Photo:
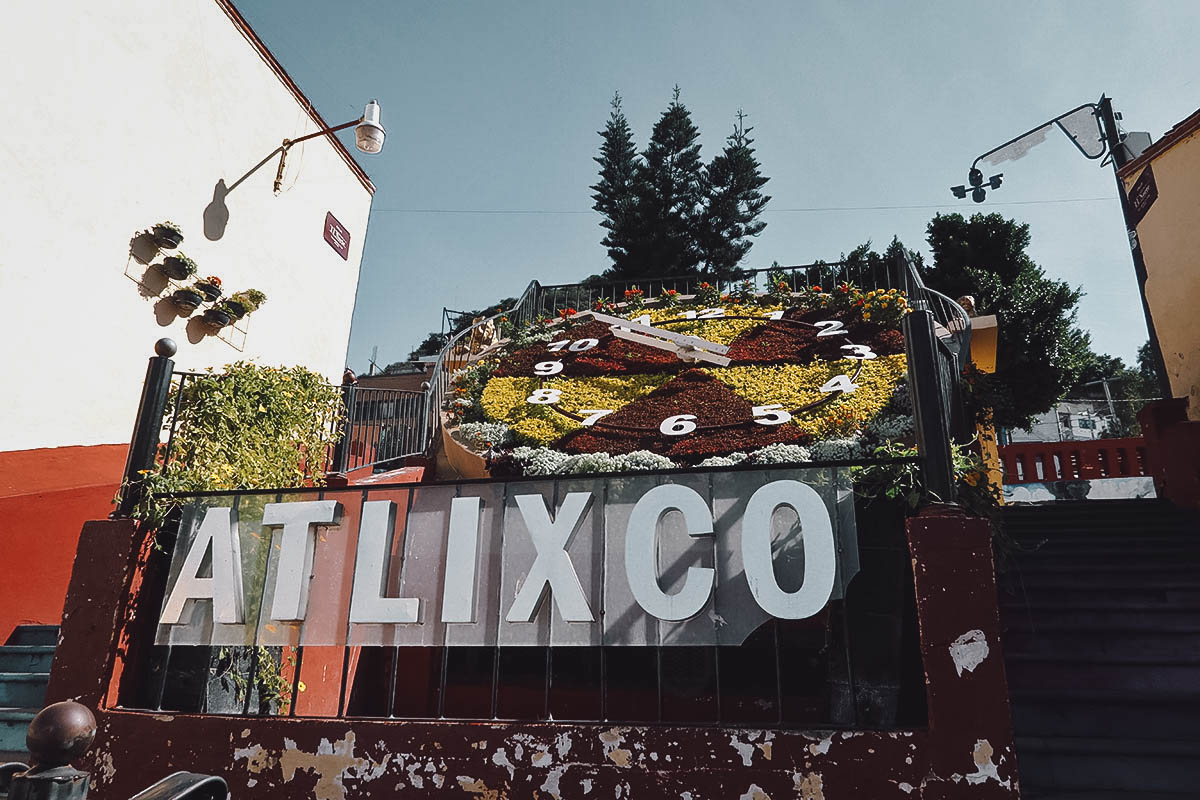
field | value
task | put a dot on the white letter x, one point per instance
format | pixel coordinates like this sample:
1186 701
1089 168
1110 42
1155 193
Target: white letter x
552 567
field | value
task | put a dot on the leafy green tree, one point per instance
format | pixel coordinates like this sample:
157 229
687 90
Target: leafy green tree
614 195
670 195
1130 388
733 202
1041 351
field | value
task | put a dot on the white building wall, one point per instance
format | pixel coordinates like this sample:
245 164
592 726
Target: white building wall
118 116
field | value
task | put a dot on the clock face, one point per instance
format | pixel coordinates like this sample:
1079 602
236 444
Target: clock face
691 384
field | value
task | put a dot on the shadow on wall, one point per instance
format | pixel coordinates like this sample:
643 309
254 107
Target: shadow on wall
152 282
216 213
143 247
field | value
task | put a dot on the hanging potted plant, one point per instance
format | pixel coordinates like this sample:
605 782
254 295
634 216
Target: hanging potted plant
219 315
180 267
210 287
167 235
242 303
188 298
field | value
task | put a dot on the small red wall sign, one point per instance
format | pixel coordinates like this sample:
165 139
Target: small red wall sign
337 236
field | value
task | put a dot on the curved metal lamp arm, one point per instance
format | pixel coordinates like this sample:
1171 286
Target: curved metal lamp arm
287 144
1056 122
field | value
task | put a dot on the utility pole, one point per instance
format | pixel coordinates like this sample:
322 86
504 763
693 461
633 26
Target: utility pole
1120 158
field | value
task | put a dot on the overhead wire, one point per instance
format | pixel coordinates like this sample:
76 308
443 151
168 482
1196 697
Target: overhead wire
804 209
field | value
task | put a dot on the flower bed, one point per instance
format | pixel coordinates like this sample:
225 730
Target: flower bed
505 404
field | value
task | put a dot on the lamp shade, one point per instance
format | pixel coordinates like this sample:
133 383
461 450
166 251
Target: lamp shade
369 134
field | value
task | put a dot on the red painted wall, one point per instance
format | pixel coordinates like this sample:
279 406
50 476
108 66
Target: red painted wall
45 497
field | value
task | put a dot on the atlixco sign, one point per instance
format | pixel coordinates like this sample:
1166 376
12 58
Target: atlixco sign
680 559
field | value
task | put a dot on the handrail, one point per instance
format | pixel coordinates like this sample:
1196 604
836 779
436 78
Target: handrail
438 386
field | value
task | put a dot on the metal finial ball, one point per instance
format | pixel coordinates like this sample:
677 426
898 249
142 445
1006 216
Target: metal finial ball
165 347
60 733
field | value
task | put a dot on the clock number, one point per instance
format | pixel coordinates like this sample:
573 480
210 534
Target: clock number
544 397
548 367
678 425
773 414
859 351
644 319
775 314
711 313
830 327
593 414
839 383
579 345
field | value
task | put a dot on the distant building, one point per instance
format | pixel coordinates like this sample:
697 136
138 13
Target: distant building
1067 421
118 117
1163 184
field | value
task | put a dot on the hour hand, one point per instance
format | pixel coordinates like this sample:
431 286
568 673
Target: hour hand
688 348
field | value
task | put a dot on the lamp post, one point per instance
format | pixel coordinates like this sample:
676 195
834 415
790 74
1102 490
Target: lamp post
368 137
1092 128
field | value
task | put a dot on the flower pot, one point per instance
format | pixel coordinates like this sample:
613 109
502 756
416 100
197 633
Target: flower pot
210 290
236 309
188 299
172 267
217 318
166 238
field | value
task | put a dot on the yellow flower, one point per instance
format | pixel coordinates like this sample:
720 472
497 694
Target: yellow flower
866 315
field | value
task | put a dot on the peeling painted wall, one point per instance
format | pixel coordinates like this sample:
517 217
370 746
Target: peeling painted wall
966 751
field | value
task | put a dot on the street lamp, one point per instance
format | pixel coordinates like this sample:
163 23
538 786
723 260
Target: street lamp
368 137
1092 128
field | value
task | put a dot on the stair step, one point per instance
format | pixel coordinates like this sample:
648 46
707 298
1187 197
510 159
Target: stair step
1099 713
1107 644
1108 615
23 689
1149 599
14 722
26 657
1136 765
1053 556
1040 672
34 635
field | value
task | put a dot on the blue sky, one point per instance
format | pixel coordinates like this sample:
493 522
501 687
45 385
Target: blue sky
864 114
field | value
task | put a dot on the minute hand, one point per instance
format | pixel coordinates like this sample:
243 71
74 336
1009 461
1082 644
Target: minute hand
688 347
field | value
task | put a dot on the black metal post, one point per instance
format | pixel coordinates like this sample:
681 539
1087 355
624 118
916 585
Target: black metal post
144 444
1119 159
931 419
341 451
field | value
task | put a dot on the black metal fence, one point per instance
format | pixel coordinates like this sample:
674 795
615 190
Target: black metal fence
380 426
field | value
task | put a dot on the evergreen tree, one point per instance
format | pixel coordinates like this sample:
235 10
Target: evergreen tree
1041 351
733 203
670 193
614 194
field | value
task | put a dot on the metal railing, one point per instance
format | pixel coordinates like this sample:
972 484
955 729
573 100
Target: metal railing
939 367
381 425
1034 462
384 425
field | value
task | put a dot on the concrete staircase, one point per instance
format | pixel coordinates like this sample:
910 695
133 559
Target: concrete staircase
24 673
1101 610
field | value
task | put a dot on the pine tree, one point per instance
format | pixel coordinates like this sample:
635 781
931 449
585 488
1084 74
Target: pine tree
733 204
670 196
614 194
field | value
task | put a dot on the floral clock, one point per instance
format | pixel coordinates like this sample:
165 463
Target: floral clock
683 386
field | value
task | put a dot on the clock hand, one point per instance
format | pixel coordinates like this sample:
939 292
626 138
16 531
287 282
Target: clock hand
686 346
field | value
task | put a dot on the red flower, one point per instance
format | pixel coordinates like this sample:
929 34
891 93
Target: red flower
816 288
